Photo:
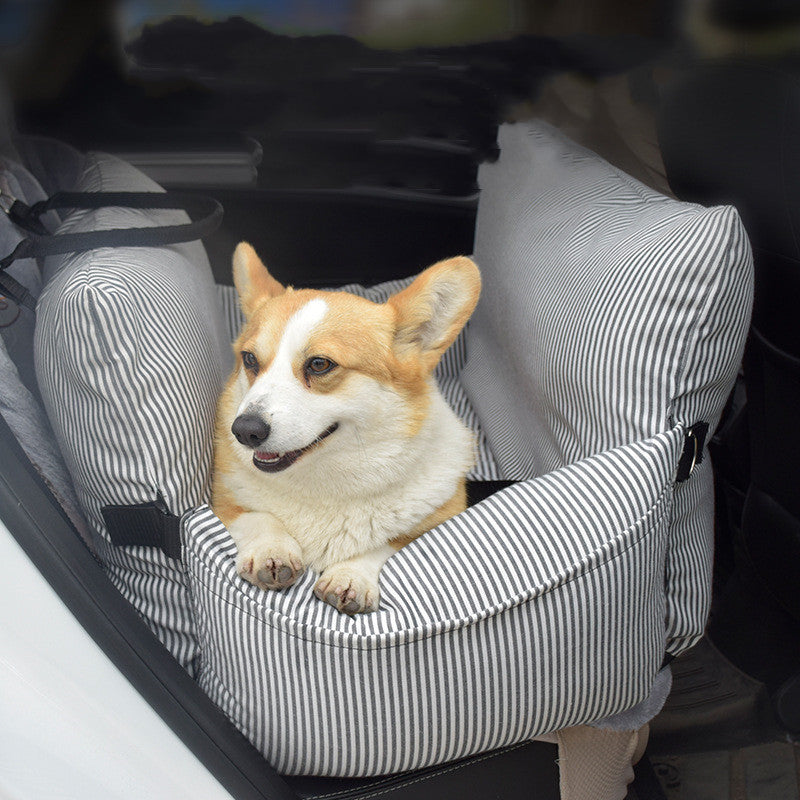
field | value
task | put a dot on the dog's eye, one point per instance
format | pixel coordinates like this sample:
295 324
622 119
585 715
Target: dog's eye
249 360
318 365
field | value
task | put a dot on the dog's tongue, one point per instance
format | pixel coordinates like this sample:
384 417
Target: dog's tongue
274 462
264 456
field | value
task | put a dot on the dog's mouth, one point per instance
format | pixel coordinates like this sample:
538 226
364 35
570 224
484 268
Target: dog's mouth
277 462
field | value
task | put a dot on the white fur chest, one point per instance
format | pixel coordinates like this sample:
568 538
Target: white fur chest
366 492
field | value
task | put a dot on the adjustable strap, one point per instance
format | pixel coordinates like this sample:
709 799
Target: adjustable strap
144 525
206 210
15 291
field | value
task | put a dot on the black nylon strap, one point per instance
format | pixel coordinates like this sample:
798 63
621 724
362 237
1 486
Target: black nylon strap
193 204
9 287
144 525
20 215
207 210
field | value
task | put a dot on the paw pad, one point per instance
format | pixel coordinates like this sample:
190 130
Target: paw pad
271 573
350 597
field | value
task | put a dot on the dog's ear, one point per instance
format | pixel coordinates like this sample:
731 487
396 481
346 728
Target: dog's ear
433 309
252 279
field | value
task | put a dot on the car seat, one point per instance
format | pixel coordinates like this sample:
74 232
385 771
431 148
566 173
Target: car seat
728 131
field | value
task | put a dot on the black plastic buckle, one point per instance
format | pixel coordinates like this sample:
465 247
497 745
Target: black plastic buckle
23 215
144 525
692 454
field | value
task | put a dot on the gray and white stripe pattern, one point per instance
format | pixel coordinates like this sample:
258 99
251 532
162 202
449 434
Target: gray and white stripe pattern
609 312
130 356
538 609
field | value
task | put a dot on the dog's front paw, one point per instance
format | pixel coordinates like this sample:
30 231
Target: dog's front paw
347 590
267 555
270 568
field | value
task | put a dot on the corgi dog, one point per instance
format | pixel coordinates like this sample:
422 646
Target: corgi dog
334 447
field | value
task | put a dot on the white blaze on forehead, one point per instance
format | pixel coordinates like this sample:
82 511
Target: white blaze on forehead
280 376
299 328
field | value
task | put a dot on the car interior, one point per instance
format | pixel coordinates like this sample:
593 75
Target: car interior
353 144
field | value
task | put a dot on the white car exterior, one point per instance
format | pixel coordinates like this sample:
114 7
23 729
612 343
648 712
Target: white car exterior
71 725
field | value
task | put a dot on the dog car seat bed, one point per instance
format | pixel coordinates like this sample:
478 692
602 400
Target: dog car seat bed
612 321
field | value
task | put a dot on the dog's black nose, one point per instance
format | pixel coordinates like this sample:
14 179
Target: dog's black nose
250 430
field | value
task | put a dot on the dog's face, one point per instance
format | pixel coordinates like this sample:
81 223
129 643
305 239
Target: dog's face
317 365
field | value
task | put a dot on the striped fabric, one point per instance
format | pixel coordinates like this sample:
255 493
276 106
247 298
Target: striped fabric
609 312
538 609
130 355
448 372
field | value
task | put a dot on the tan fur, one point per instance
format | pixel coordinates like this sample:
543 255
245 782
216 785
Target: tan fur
412 303
252 282
455 505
